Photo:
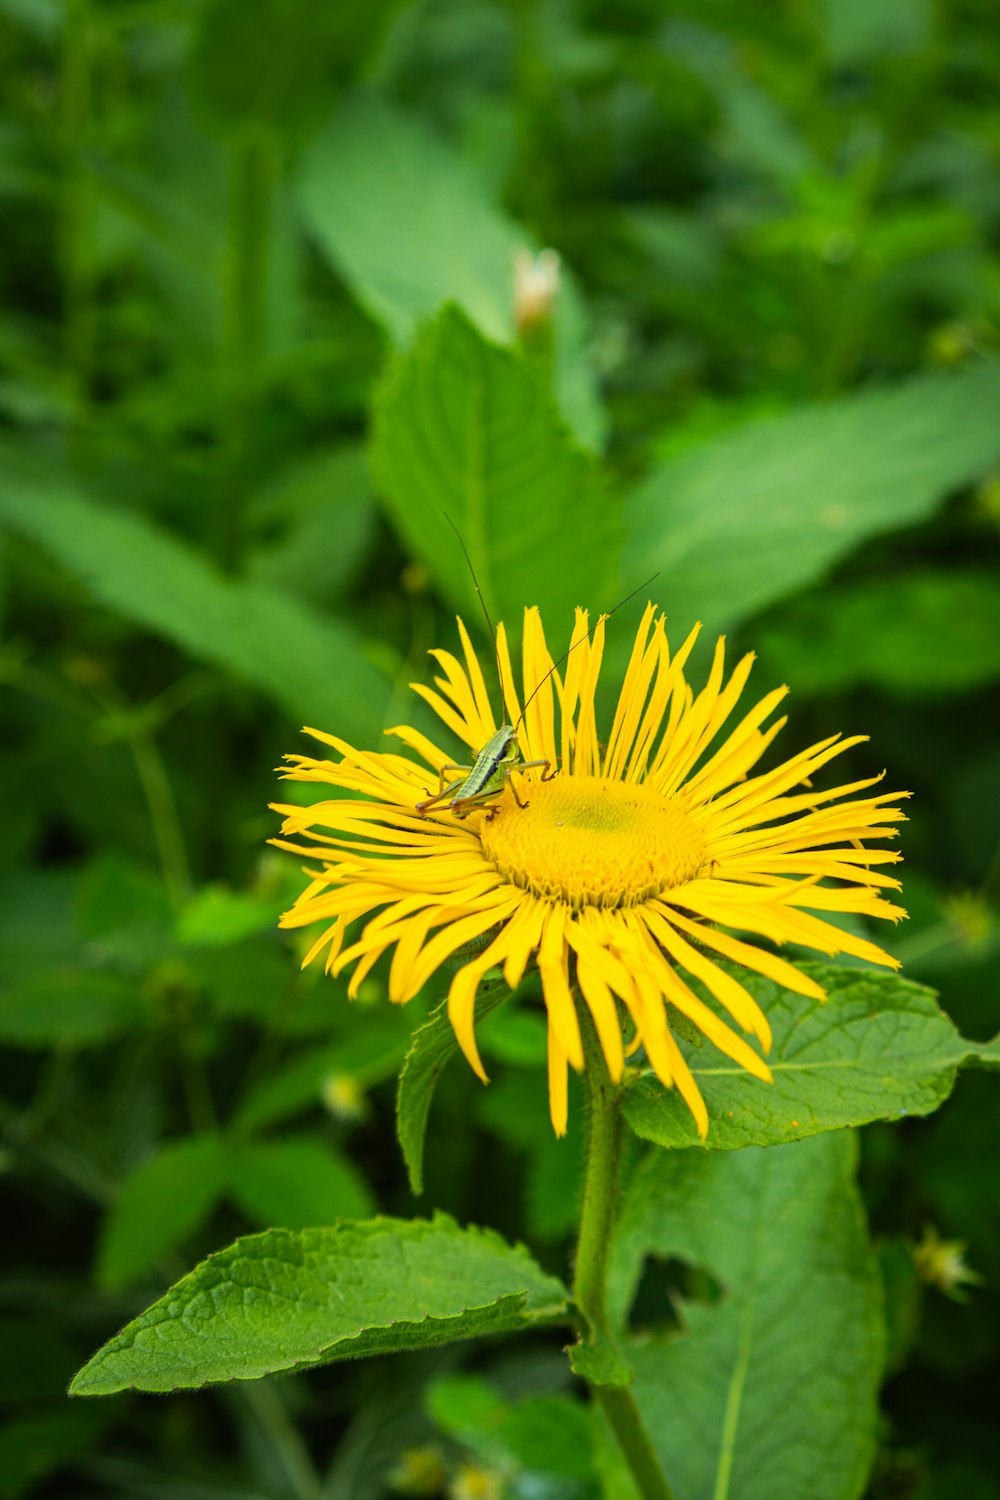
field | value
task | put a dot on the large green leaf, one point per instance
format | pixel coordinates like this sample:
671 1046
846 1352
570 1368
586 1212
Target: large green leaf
745 518
434 1044
168 1198
288 1300
879 1048
296 1182
311 665
768 1393
918 633
373 166
466 429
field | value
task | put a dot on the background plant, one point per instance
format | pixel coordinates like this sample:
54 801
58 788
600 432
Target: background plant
234 409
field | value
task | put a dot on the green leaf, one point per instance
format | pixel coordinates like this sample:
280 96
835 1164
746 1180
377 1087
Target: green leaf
770 1392
599 1362
162 1203
289 1300
463 1404
755 131
550 1438
534 1439
878 1048
68 1007
123 913
434 1044
370 1052
323 511
515 1108
374 166
516 1036
37 916
251 979
216 916
238 82
35 1446
465 428
857 34
293 1183
311 665
746 518
917 633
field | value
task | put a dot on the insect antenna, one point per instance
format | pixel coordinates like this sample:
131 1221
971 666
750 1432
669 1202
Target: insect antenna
556 664
493 635
486 614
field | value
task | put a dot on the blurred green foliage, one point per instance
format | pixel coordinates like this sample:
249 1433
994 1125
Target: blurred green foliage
233 406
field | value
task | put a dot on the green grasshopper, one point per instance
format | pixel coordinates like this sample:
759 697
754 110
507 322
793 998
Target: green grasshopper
494 768
501 755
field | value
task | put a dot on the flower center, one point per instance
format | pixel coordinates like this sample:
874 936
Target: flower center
591 841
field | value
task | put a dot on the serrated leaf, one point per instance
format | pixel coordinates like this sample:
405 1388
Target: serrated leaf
878 1048
293 1183
748 517
770 1392
434 1044
289 1300
373 166
310 664
464 428
167 1199
918 633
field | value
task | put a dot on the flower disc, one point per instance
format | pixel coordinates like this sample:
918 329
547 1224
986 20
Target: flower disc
592 841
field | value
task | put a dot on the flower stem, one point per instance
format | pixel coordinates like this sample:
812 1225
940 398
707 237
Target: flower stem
605 1129
605 1136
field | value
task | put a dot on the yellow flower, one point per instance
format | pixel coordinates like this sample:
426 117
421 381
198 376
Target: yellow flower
625 874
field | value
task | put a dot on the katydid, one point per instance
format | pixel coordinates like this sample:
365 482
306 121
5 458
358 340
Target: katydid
496 762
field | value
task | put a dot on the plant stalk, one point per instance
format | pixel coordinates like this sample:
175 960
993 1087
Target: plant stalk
605 1137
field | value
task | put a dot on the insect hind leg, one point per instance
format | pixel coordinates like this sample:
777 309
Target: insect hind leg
434 797
526 765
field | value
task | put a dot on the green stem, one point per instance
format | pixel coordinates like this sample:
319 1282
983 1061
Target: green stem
625 1420
605 1129
159 796
267 1410
605 1137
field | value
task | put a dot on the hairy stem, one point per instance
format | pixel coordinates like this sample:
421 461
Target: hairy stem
605 1136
